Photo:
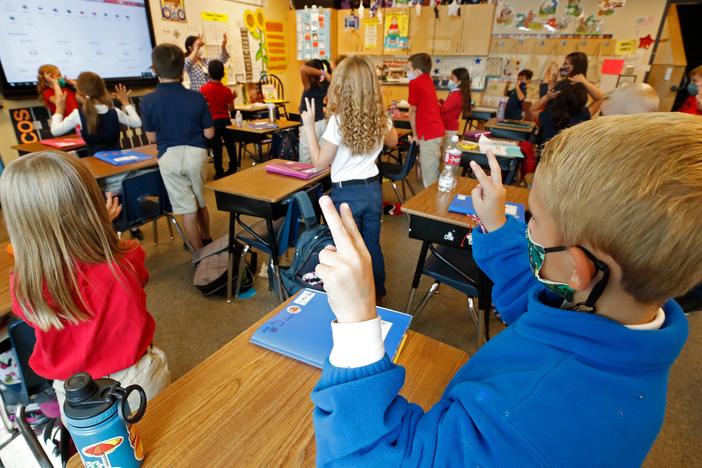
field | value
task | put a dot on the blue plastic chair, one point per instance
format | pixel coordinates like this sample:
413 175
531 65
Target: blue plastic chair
398 172
144 199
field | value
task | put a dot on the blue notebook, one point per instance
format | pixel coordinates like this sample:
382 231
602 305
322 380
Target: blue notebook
302 330
463 204
120 158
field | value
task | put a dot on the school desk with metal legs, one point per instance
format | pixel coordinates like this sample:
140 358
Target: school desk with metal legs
431 223
246 134
258 193
520 130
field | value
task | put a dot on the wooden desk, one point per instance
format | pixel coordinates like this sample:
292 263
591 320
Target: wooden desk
258 193
26 148
502 129
7 263
245 135
100 169
432 223
247 406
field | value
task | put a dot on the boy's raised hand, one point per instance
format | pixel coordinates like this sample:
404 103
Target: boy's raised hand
346 269
489 195
308 115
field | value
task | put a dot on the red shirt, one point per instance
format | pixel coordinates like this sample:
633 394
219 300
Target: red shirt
116 336
451 110
422 94
71 102
690 106
218 98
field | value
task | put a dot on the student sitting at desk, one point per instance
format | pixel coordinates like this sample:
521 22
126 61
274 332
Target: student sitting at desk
579 376
84 293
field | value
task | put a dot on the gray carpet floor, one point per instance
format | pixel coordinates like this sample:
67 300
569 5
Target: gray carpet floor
190 327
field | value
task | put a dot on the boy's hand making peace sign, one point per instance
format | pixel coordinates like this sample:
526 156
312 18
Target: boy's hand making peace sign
489 195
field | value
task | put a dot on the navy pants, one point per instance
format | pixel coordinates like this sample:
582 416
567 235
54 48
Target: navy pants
221 137
366 205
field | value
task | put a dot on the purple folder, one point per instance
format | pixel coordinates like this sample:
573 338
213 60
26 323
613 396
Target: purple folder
293 169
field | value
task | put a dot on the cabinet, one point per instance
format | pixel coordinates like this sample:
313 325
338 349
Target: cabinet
349 41
448 32
477 29
421 31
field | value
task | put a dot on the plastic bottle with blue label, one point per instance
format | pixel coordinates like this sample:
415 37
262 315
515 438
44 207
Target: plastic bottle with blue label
98 417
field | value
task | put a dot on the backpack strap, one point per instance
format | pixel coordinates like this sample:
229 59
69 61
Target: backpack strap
306 208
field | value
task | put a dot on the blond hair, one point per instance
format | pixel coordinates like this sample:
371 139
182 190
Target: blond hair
635 98
42 84
56 216
91 88
354 98
631 186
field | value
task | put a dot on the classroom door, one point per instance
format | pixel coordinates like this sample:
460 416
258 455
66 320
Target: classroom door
665 79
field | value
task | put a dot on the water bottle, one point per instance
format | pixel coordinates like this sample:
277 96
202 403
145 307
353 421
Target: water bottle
239 119
501 107
101 425
447 179
271 112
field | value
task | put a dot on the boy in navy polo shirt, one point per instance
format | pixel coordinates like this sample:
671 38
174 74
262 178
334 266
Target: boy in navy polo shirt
425 116
516 96
179 120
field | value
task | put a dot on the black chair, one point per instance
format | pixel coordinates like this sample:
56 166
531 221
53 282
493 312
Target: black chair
509 165
144 199
35 390
398 171
269 78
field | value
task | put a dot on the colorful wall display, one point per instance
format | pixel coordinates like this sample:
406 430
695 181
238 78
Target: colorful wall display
313 33
396 31
173 10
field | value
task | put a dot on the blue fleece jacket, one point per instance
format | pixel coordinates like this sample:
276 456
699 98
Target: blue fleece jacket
556 388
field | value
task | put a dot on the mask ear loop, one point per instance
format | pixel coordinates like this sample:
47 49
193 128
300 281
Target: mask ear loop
599 287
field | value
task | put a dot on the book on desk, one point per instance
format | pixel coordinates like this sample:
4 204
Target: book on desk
122 157
302 330
64 143
463 204
262 125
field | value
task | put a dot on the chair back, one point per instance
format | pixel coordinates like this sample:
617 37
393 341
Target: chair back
269 78
508 165
23 340
410 160
294 117
137 207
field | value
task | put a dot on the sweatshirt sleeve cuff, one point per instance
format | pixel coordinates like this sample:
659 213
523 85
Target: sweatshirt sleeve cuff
487 244
356 344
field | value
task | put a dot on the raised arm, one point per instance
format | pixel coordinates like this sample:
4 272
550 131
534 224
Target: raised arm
322 154
127 115
595 93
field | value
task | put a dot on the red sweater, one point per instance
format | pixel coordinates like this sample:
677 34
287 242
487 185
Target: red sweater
219 98
116 336
422 94
451 110
71 102
690 106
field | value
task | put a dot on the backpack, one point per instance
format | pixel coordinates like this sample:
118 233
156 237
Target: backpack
286 145
211 268
301 272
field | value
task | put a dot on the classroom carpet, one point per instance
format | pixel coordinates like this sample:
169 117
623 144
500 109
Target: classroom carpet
190 327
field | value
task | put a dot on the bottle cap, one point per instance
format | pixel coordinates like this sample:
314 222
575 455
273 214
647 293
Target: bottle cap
454 139
80 387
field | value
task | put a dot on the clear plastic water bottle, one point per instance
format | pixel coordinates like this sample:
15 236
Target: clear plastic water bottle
501 108
452 158
239 119
271 112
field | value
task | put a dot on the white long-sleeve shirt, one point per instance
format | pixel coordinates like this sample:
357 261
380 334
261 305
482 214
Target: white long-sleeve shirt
61 125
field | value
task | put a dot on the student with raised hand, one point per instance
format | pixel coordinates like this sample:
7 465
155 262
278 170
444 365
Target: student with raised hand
357 128
196 64
579 376
51 83
84 295
316 92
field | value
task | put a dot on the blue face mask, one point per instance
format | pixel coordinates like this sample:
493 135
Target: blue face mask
452 86
411 75
692 88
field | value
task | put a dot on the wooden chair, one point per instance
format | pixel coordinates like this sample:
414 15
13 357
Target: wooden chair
269 78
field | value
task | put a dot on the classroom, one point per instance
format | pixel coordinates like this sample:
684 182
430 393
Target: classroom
243 233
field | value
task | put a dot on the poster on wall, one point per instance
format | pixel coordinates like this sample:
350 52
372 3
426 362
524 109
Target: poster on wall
396 31
173 10
313 36
370 38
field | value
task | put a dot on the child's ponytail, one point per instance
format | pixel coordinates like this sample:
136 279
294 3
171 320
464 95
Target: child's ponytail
91 114
91 88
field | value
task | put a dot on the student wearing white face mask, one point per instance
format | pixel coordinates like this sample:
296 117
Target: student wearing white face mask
456 104
196 65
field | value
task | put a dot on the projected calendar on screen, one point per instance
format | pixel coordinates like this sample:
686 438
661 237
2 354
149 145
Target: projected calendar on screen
108 37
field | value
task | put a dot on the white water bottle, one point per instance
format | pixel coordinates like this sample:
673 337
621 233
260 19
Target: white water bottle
271 112
239 119
452 158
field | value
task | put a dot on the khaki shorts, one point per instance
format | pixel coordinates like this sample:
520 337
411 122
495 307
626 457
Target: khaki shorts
184 171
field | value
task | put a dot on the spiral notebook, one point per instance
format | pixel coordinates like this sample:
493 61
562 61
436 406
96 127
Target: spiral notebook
302 330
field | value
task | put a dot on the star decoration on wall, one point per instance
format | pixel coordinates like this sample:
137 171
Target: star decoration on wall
477 60
645 42
454 9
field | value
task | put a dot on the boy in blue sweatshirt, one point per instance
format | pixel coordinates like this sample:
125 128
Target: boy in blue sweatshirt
579 377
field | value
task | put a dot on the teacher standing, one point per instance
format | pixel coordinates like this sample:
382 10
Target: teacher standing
196 65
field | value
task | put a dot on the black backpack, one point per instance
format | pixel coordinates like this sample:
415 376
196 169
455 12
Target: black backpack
301 273
211 268
286 145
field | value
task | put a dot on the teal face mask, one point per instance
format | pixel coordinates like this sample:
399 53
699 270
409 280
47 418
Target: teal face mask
537 254
61 82
692 89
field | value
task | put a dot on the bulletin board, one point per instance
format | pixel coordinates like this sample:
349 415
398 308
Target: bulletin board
211 18
313 33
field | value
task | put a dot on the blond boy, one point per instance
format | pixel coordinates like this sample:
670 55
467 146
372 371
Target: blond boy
579 377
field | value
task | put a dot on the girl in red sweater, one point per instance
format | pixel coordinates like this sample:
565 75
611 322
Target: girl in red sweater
457 104
50 82
75 282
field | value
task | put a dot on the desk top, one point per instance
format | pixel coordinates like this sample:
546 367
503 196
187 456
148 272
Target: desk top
255 182
528 126
430 203
283 124
100 169
7 262
39 146
252 405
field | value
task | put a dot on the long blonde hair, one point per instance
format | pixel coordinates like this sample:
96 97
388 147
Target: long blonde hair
56 216
354 97
90 87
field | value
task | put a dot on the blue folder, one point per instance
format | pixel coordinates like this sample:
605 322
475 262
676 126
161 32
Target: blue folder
463 204
302 330
122 157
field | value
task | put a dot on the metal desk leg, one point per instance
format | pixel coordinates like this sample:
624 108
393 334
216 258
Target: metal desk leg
417 275
485 291
230 259
273 242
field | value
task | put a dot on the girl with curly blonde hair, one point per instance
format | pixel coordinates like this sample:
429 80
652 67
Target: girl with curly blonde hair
357 128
